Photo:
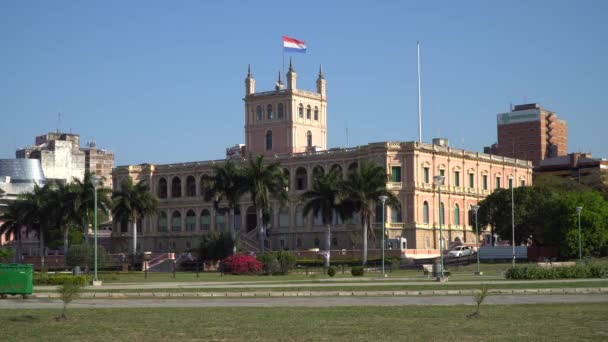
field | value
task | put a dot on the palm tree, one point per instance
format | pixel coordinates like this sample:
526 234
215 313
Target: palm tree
12 222
86 198
133 201
263 180
361 190
227 183
325 199
62 209
36 213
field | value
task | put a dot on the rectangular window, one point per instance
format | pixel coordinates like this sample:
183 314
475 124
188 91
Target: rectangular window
471 180
426 175
523 183
510 183
456 178
497 182
442 173
485 182
396 174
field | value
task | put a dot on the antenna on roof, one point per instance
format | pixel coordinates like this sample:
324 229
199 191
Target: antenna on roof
58 121
346 128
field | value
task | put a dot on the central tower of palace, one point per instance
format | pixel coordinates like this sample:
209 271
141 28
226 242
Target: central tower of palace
287 119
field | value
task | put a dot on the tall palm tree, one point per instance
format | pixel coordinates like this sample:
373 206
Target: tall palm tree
324 198
263 180
37 213
133 201
86 198
12 222
361 189
227 183
62 209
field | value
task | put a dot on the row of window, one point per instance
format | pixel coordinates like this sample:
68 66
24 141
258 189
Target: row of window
269 139
456 217
471 183
259 112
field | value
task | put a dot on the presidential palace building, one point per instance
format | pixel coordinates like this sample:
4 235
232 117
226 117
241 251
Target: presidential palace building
289 125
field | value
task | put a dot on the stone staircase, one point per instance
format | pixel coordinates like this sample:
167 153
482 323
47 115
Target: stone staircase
159 262
249 241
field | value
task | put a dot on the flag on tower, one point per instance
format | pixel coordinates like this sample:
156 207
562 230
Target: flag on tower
293 45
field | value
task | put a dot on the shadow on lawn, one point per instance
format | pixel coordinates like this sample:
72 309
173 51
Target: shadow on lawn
24 318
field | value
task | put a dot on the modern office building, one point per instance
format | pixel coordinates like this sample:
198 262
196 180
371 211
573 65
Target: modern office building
530 132
288 125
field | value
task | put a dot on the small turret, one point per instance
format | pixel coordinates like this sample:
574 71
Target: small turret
249 82
279 84
321 82
291 77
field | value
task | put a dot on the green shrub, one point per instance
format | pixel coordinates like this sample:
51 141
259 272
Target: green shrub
270 263
331 271
357 271
83 256
45 279
286 261
585 270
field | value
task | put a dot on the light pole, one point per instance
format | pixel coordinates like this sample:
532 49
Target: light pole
512 219
383 200
476 209
96 181
439 182
580 243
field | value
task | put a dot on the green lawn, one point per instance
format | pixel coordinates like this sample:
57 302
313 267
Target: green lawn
424 323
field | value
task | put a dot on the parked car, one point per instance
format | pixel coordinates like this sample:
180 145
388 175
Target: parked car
460 251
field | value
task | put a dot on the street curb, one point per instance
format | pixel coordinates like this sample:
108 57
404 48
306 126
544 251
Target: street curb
464 292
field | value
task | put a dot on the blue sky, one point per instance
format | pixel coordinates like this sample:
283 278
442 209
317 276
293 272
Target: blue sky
162 82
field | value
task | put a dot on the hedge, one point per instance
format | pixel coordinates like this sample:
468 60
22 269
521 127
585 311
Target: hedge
586 270
45 279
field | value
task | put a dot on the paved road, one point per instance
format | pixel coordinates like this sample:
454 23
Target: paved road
308 283
300 302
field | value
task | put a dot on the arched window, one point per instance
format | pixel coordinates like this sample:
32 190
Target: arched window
220 220
425 212
162 188
269 140
190 221
176 187
269 112
338 169
301 179
190 186
280 111
309 139
300 219
284 217
307 112
205 220
318 219
456 215
441 214
301 111
316 113
337 218
287 176
396 213
258 113
162 222
176 221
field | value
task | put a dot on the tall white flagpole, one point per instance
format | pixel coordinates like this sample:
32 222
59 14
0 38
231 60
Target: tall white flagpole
419 105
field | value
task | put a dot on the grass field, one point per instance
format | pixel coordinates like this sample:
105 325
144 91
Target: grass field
424 323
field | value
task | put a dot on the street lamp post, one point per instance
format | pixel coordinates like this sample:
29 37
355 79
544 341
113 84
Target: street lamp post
580 240
476 209
439 182
383 200
512 220
96 181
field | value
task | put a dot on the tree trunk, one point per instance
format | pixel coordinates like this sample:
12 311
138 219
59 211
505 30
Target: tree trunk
65 244
261 230
328 245
18 256
364 252
134 238
85 229
233 229
41 239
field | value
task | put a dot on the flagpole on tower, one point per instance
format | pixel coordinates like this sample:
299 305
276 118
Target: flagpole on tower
419 105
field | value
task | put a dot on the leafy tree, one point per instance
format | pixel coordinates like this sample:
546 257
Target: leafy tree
361 190
68 291
37 214
12 222
226 184
324 198
263 180
133 201
84 256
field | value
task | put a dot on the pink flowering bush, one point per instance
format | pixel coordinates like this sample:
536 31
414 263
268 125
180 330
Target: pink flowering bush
241 264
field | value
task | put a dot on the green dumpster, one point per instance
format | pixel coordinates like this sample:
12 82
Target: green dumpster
16 279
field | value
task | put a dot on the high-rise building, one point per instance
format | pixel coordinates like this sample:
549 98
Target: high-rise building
63 159
530 132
